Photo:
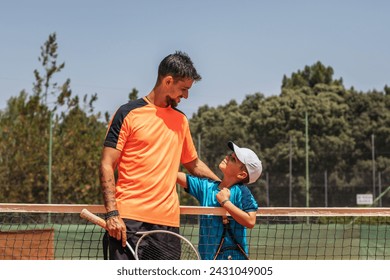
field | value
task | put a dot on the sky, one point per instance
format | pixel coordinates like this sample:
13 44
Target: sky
239 47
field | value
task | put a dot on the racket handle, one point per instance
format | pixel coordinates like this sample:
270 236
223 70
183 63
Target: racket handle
85 214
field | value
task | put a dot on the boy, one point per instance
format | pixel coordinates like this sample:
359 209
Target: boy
239 168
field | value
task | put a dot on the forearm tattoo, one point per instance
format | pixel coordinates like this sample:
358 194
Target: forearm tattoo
108 189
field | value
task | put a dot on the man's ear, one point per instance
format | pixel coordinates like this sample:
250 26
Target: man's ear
167 80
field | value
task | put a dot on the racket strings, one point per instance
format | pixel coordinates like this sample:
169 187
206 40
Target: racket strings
226 250
164 246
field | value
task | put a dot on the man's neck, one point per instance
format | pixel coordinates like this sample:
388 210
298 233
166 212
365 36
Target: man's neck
156 99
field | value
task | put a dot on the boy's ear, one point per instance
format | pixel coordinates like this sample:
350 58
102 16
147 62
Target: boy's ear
242 175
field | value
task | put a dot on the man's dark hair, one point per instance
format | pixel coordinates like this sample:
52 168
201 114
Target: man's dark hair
179 66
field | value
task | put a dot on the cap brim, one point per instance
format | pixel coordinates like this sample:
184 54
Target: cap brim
236 150
231 145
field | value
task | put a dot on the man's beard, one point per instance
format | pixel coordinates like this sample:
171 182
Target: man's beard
171 102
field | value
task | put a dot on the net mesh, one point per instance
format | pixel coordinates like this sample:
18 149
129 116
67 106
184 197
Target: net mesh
58 232
25 236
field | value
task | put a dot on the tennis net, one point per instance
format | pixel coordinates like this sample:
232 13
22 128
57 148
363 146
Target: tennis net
38 231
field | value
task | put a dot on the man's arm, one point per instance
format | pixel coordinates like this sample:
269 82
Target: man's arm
182 179
115 225
200 169
107 178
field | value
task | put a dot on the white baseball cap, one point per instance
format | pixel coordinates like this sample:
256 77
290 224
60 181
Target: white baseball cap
249 159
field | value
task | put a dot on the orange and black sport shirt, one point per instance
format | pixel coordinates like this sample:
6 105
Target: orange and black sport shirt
153 142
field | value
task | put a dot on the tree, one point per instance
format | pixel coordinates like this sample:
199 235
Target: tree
23 149
340 124
76 150
77 133
133 95
311 76
216 127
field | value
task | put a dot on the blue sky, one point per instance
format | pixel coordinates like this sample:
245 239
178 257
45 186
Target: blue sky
239 47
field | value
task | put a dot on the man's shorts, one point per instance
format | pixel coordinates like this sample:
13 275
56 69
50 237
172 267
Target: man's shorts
160 252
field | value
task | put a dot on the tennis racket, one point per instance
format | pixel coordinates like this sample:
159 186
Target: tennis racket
231 252
153 245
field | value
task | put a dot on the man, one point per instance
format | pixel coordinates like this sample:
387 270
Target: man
146 141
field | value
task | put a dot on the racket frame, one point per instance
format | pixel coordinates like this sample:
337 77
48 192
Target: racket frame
228 231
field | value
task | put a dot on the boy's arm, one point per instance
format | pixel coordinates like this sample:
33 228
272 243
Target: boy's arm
182 179
247 219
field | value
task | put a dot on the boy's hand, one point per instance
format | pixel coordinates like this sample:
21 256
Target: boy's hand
223 195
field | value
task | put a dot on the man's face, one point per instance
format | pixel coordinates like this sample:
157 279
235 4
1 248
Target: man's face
178 89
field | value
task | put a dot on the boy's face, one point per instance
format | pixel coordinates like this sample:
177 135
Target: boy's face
232 167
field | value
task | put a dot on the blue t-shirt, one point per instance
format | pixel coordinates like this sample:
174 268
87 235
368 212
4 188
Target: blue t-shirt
211 226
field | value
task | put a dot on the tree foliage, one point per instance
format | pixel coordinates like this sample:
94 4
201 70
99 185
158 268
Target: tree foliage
25 132
340 124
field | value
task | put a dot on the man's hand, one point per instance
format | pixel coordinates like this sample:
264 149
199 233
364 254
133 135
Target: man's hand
117 229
